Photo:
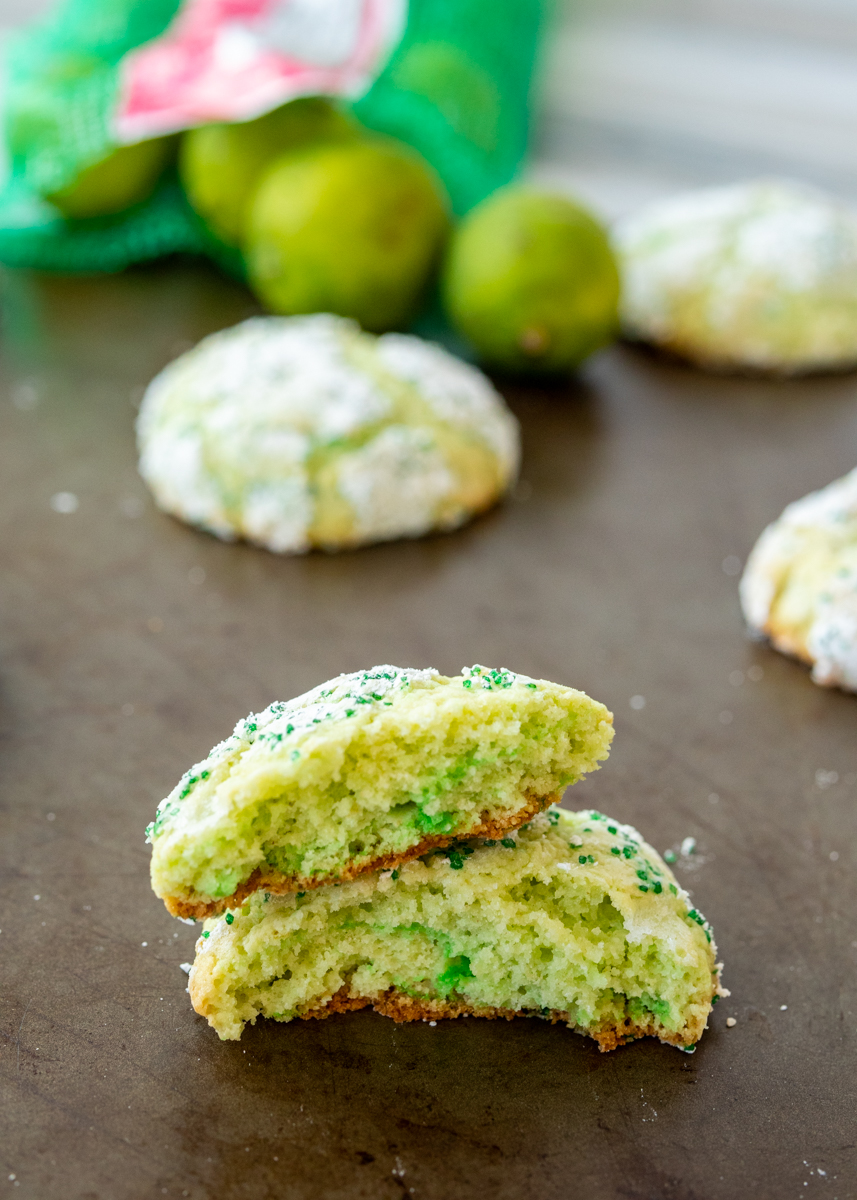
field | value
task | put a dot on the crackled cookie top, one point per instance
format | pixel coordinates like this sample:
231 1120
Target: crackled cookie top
800 584
295 432
368 769
759 275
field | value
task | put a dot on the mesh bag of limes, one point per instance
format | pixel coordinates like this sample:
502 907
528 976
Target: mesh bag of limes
325 150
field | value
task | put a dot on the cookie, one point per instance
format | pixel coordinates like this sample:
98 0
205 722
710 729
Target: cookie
759 276
302 432
799 587
573 918
368 771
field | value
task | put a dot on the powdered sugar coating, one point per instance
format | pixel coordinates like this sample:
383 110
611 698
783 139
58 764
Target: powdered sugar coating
760 275
833 638
337 699
457 392
800 584
395 484
305 431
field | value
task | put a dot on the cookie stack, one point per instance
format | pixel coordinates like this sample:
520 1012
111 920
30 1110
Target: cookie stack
391 838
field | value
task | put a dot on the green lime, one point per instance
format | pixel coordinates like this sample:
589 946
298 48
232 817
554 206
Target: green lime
464 93
355 229
531 280
219 165
124 177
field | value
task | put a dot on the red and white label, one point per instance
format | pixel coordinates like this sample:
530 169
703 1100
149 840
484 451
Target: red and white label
233 60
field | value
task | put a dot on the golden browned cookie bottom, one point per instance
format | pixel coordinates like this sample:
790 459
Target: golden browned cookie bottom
401 1008
278 884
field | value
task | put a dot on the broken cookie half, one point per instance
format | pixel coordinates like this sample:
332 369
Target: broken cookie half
366 772
573 919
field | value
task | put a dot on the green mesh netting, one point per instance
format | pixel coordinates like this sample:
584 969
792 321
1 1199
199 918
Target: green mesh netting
455 88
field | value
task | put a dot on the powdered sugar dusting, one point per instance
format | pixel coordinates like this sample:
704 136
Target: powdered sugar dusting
340 698
263 430
395 483
456 391
821 530
762 274
833 638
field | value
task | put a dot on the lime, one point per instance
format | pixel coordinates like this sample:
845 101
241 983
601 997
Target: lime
124 177
220 164
464 93
355 229
531 280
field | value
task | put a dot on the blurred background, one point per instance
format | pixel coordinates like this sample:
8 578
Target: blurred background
639 97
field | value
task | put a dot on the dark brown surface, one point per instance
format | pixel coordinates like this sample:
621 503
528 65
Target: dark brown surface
604 573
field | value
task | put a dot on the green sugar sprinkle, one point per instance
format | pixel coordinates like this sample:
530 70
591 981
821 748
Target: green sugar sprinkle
206 933
395 875
509 843
229 918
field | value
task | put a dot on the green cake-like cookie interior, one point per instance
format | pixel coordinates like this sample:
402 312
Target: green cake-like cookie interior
573 918
367 771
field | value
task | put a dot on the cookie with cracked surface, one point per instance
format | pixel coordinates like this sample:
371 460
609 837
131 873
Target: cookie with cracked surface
573 918
368 771
799 588
758 276
305 432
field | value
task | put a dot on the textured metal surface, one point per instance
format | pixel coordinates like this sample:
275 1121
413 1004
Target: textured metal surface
131 643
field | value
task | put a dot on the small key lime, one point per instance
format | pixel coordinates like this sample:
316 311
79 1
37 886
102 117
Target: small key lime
355 229
531 281
220 165
124 177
